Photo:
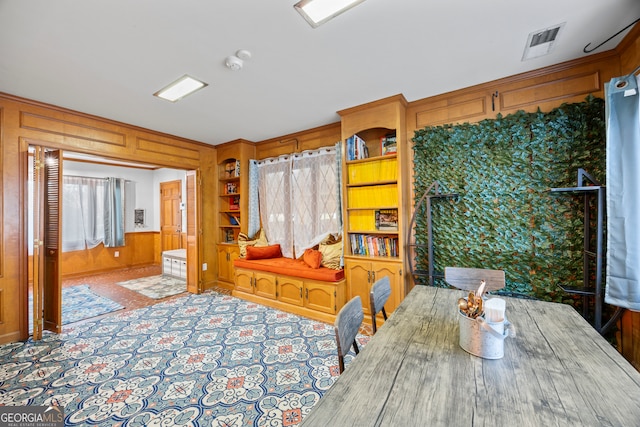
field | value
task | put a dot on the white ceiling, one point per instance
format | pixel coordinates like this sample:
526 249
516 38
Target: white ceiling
108 57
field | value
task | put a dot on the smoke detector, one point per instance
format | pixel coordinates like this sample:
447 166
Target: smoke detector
235 62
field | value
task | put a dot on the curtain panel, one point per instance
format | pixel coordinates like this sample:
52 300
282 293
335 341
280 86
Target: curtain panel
299 198
114 213
622 111
82 212
274 188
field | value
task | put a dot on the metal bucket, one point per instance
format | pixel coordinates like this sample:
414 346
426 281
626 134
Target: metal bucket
481 338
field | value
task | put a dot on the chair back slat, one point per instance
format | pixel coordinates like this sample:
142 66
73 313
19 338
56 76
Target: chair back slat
469 279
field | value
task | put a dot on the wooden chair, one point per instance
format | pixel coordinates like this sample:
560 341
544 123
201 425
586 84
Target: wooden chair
380 292
347 325
469 279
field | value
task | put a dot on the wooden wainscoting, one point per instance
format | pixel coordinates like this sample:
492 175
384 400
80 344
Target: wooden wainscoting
142 248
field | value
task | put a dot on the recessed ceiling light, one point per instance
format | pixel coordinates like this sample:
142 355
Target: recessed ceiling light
317 12
180 88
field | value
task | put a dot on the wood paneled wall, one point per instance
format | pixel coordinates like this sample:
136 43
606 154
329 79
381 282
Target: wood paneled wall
310 139
141 249
23 123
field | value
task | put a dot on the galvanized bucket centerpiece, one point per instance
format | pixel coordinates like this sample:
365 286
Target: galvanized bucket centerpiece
483 325
482 338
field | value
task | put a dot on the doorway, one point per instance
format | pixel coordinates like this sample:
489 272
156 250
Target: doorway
50 298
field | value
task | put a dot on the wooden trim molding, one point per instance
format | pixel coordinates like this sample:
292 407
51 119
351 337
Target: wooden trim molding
83 132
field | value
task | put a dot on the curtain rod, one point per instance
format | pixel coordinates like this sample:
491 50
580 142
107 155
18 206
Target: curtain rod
633 73
90 177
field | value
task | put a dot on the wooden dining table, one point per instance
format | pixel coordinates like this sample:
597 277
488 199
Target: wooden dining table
556 371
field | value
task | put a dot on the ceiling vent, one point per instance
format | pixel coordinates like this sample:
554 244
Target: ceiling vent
541 42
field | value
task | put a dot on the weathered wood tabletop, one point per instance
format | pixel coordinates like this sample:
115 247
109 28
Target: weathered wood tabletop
557 371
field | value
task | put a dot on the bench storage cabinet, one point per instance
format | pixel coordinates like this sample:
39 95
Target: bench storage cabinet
256 282
174 263
308 297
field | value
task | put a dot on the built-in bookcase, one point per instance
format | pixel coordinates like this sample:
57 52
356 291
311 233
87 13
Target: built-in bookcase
229 191
372 199
375 201
233 183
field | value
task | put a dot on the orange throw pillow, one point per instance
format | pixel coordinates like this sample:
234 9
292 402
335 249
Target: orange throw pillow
264 252
312 258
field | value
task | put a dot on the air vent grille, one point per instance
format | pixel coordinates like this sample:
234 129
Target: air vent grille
544 37
541 42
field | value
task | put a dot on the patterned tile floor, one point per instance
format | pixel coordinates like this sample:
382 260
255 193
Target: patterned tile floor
193 360
105 284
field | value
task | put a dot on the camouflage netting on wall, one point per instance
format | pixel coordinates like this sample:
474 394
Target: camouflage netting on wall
505 217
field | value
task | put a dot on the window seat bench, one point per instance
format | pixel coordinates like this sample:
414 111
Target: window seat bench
291 285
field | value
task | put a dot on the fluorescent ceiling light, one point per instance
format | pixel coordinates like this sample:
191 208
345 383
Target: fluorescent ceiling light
182 87
317 12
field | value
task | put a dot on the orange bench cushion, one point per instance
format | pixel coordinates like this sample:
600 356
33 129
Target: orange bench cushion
291 267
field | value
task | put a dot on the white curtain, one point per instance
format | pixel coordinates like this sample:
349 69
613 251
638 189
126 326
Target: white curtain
253 226
82 213
623 192
315 192
92 212
274 189
300 199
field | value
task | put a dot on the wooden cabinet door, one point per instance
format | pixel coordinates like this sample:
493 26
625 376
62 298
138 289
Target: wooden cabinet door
244 281
226 256
265 285
223 264
358 274
393 270
320 297
290 290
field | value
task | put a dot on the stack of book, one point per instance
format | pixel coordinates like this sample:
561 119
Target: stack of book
356 148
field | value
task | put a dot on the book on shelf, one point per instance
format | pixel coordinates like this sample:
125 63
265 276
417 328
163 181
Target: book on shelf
231 188
234 203
368 245
387 219
234 219
388 144
356 148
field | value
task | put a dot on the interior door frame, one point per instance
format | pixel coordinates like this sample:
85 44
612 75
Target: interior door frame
193 261
194 230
